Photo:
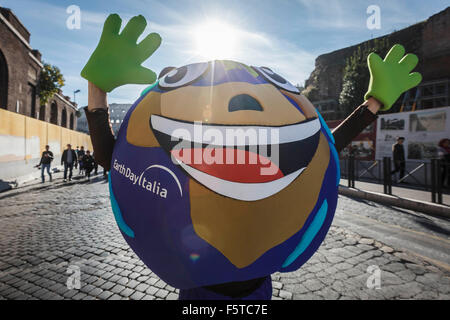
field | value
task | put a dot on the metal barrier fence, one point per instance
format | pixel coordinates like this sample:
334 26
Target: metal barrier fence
428 176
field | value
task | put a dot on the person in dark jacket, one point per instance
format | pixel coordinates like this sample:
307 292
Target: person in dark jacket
45 163
68 158
398 153
444 156
76 152
88 164
95 165
103 139
80 155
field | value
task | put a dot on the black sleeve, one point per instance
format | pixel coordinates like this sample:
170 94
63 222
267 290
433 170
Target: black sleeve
102 136
63 156
352 126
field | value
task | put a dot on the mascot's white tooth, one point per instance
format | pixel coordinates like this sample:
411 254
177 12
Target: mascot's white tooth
241 191
190 131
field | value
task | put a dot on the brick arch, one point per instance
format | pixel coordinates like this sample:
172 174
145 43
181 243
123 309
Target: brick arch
3 82
64 118
54 113
72 121
42 110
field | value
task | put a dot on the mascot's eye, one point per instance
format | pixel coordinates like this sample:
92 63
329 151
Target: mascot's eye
183 76
276 79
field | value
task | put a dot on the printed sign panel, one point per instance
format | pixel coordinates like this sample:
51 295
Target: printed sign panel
422 131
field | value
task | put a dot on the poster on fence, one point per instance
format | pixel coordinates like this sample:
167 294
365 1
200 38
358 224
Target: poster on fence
422 131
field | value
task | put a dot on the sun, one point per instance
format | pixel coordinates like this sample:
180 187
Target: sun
215 40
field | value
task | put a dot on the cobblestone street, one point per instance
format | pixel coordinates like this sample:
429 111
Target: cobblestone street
46 230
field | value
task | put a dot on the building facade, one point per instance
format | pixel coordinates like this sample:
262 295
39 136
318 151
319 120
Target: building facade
20 67
117 114
429 39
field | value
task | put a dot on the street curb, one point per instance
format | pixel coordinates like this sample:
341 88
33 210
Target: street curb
20 181
38 186
405 203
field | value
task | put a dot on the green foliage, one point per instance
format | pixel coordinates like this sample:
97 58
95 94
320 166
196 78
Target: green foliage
50 81
311 92
356 74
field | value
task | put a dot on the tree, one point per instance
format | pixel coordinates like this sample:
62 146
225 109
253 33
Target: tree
50 81
356 74
311 92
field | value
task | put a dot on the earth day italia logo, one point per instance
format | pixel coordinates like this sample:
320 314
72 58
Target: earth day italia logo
139 180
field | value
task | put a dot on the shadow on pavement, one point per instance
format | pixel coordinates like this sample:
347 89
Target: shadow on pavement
56 184
430 225
426 222
367 202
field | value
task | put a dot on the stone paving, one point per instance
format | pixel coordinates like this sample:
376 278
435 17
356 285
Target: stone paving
396 216
49 231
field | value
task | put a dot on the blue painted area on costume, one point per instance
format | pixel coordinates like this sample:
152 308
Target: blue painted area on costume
309 235
328 193
334 153
157 224
117 214
325 127
149 88
336 159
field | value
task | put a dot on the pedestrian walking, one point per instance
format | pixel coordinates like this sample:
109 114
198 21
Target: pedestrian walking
68 158
444 156
80 156
88 164
398 153
95 164
76 152
45 163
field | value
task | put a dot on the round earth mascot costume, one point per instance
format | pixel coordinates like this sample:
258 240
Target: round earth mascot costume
221 172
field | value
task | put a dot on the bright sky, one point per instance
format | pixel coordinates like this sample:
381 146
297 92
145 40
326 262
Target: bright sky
285 35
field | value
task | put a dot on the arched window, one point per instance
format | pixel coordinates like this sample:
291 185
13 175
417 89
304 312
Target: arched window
54 113
3 82
42 113
32 97
64 118
71 121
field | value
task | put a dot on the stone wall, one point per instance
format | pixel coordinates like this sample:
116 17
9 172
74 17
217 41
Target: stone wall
22 65
22 140
15 22
430 40
22 69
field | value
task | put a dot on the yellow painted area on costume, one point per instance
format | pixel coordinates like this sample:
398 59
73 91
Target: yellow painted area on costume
139 132
189 104
245 231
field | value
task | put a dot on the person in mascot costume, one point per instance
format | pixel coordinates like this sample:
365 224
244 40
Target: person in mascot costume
222 173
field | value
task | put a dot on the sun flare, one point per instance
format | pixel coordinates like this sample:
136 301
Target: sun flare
215 40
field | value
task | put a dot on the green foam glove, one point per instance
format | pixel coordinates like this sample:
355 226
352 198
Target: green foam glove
390 77
117 59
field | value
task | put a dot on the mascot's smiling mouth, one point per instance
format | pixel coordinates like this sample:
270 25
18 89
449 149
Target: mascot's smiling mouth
234 160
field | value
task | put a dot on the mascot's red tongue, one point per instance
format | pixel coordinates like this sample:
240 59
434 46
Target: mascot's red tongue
246 167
